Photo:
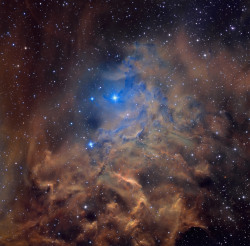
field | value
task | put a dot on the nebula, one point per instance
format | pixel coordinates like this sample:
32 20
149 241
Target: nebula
120 129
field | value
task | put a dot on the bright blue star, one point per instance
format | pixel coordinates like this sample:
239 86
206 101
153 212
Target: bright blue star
91 144
92 98
115 98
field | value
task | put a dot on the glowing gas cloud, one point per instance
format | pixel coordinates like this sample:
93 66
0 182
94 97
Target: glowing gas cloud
143 142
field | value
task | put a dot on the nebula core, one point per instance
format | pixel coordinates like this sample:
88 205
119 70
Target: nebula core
124 123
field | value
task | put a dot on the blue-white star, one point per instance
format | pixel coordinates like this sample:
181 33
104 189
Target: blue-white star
115 98
91 144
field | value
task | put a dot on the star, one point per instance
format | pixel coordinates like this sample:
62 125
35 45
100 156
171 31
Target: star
91 144
115 98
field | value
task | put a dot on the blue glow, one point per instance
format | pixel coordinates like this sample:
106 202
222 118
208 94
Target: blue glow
92 98
91 144
115 98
